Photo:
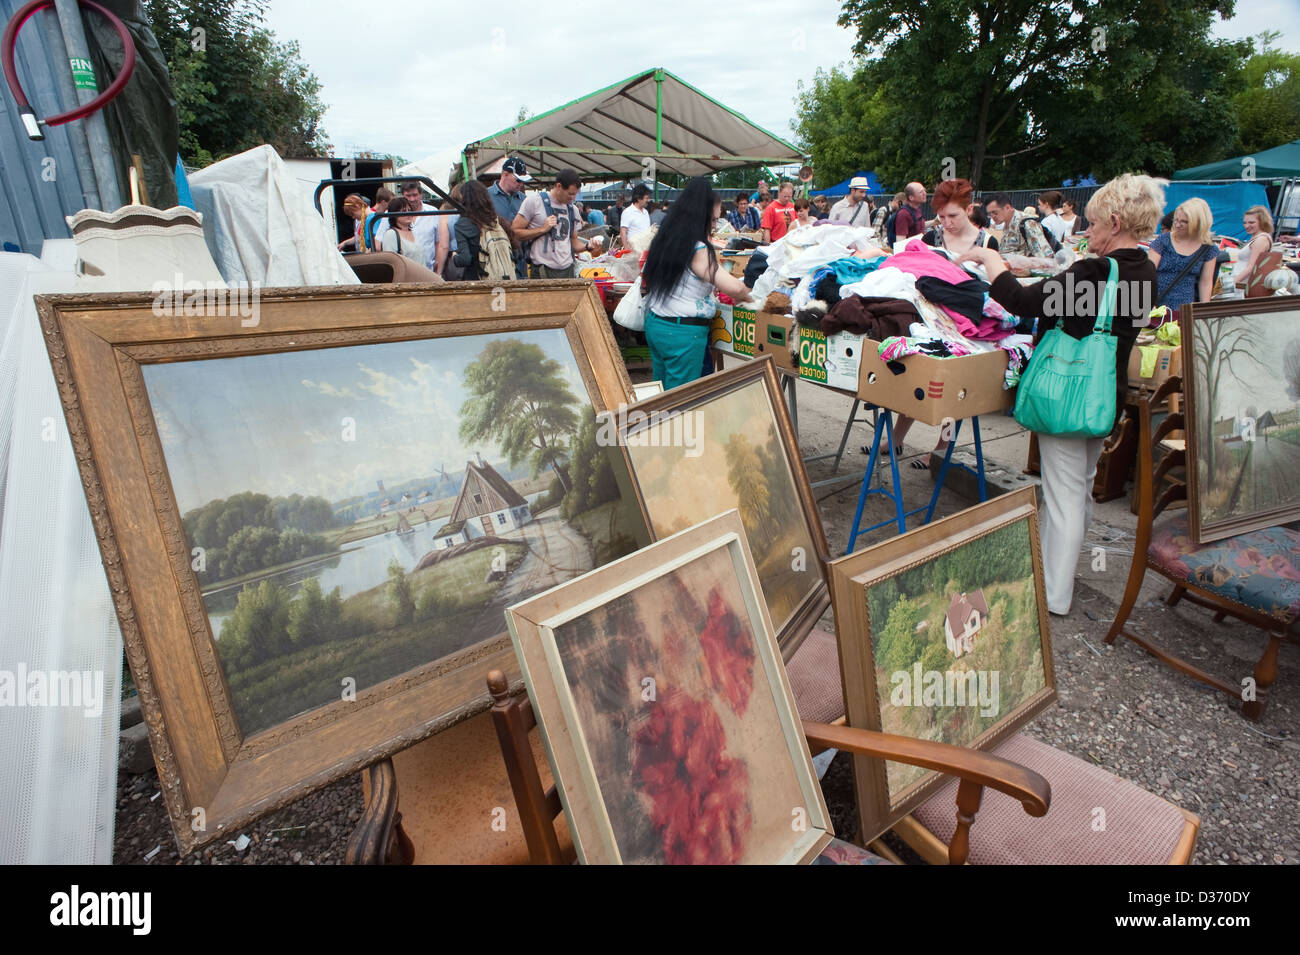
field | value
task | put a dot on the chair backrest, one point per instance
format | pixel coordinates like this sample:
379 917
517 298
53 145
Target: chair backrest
1155 462
538 808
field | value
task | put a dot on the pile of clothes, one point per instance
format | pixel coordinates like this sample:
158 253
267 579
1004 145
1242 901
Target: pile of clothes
916 301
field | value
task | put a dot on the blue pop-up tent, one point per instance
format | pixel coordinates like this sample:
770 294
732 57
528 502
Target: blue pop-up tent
842 188
1227 201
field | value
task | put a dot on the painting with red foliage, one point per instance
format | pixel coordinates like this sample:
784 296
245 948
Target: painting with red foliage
680 722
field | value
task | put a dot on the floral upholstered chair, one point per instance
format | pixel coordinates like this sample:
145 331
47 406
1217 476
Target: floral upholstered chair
1253 576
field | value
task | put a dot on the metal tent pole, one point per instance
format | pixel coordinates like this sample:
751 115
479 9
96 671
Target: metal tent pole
659 125
67 94
101 150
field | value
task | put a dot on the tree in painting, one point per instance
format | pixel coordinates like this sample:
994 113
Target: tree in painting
745 473
519 399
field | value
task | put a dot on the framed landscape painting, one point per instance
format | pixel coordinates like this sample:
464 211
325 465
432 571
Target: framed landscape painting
1241 381
944 636
667 715
724 442
313 522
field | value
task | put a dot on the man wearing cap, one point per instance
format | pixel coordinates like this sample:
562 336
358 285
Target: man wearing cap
508 196
853 209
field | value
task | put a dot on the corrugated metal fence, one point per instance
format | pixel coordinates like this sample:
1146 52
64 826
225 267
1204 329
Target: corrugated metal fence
39 184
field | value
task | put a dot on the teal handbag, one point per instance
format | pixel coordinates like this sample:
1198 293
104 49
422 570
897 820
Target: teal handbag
1068 390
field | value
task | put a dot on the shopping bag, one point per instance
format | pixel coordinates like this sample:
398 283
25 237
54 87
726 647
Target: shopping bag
630 312
1068 390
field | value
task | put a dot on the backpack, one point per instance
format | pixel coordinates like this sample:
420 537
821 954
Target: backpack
550 211
496 261
891 227
1052 242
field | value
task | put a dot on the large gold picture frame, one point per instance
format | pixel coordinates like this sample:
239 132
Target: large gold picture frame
121 364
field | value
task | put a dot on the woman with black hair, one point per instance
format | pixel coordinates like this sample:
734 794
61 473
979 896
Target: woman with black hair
478 229
680 282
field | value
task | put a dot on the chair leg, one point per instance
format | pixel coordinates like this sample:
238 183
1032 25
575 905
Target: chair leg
1265 674
1176 594
1220 617
1136 574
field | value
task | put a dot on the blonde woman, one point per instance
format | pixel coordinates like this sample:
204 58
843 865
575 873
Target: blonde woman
1184 257
356 208
1258 224
1120 214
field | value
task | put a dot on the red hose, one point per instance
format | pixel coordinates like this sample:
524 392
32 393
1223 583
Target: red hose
15 87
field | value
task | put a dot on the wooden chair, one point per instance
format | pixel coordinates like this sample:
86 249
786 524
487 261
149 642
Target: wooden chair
1135 826
1206 574
538 808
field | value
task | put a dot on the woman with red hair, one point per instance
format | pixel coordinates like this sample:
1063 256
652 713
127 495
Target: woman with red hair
956 233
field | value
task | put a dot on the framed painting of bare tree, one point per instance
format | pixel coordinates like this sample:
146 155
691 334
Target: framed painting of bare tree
666 711
723 442
314 515
1241 379
943 635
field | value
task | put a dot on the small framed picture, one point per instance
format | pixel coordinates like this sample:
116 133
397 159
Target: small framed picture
666 711
944 635
1241 381
722 442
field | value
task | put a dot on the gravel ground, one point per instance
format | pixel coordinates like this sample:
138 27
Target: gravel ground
1118 707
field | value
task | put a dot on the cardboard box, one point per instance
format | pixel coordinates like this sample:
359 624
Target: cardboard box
824 359
933 389
733 331
1168 363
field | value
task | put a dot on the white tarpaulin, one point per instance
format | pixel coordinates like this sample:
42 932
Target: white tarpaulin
261 228
58 788
612 131
60 646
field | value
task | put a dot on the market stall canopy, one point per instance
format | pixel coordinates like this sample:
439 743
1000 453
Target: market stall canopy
607 134
1227 202
842 188
1279 162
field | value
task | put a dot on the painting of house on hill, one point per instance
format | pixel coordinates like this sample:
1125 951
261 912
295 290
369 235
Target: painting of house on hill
966 614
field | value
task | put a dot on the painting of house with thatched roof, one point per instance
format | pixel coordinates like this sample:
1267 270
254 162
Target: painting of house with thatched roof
487 506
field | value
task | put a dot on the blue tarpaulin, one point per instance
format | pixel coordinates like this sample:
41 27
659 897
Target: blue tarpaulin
842 188
1227 200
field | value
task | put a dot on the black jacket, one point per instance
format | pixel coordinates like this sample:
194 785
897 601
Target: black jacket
1064 297
467 248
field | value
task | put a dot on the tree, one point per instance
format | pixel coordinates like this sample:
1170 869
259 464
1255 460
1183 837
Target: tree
399 591
1268 108
258 630
1004 91
236 85
314 617
519 398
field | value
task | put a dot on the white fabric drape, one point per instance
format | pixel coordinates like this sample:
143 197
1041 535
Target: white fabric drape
58 785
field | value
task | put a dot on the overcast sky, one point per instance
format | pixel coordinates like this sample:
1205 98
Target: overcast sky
420 76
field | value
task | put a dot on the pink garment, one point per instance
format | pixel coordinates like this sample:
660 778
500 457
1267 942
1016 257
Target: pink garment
918 259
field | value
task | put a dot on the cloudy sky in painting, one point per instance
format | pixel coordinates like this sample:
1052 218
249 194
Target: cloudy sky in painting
275 424
420 76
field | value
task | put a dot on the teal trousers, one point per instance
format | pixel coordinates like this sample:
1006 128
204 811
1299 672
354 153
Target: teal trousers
675 350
